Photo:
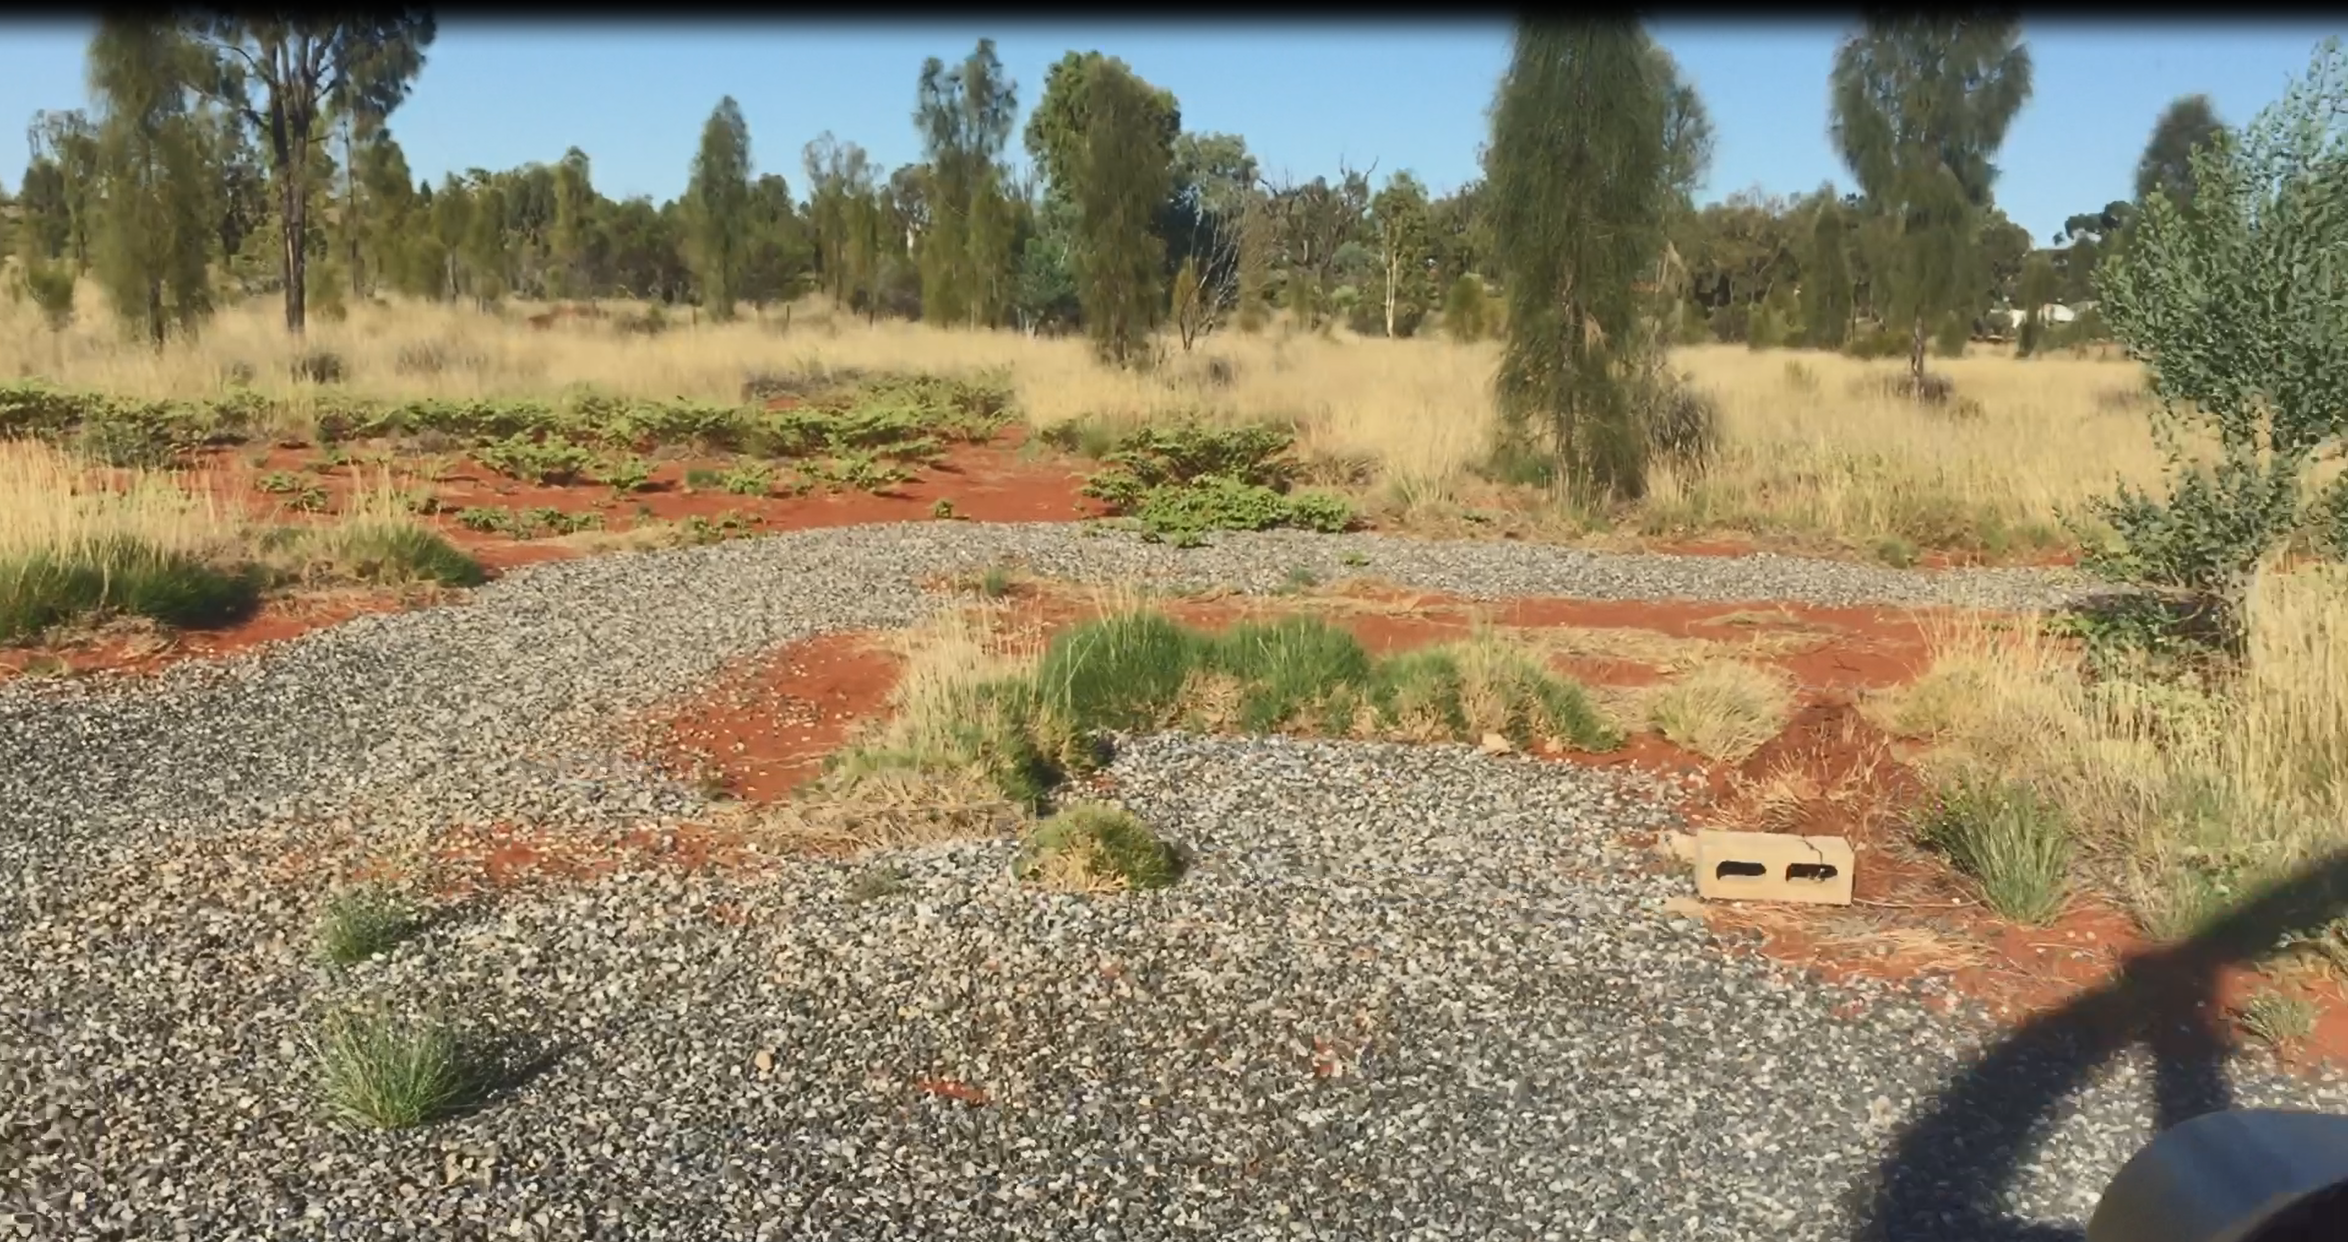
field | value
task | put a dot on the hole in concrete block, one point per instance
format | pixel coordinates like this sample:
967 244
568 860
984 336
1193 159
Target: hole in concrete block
1739 871
1818 873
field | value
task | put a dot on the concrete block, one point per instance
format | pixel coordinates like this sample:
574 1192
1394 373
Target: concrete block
1773 866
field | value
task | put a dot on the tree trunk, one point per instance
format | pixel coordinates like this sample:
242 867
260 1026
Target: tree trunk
1391 265
297 267
155 312
1916 356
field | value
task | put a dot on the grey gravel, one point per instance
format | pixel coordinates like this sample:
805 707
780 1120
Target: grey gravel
1513 1040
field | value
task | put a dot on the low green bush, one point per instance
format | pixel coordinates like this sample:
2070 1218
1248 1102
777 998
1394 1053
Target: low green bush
1102 846
123 576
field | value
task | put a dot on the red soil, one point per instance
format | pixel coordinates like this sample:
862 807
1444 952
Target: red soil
764 727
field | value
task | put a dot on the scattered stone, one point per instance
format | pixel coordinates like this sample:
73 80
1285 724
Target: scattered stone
1393 984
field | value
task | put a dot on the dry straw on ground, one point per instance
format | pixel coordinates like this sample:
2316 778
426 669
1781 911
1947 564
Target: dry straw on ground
2190 795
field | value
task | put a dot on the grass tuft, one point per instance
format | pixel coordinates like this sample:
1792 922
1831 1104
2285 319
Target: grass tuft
360 923
2010 839
388 1072
2276 1018
1095 848
1724 710
968 709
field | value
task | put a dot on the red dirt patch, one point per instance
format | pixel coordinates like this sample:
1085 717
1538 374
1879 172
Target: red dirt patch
137 648
765 726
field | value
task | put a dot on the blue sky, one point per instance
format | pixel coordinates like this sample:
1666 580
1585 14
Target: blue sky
634 96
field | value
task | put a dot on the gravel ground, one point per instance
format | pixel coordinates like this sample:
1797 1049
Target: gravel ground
1403 993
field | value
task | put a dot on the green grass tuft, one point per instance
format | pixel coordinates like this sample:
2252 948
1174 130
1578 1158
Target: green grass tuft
392 1073
2016 844
361 923
1092 845
123 575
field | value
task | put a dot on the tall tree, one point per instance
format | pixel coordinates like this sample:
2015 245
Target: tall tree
282 73
1920 107
65 150
239 176
1215 181
1122 176
1826 277
451 220
2038 285
2239 310
965 115
152 230
389 223
2167 164
839 175
487 257
1579 175
1056 131
776 251
574 224
1399 214
718 208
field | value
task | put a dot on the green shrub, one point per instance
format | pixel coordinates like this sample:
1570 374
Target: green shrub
1103 843
625 474
125 576
748 479
136 436
547 463
1255 455
1181 513
2239 308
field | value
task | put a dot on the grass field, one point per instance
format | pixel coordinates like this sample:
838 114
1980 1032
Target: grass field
2180 792
1815 447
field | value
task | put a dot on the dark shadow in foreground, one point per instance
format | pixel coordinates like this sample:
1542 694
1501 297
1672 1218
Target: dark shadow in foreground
1949 1169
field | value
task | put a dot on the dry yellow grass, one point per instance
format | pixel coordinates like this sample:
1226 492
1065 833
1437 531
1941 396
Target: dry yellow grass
1725 709
2200 793
1812 442
54 505
1819 450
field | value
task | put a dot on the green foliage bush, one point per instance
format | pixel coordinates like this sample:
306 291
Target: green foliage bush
2239 308
1179 483
1117 846
122 576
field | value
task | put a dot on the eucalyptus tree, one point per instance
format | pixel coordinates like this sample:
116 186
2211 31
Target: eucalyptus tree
1920 106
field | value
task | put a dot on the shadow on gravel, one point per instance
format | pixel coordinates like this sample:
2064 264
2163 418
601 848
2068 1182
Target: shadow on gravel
502 1065
1949 1170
